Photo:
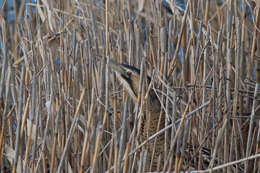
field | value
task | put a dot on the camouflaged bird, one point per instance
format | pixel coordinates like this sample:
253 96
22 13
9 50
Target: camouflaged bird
152 121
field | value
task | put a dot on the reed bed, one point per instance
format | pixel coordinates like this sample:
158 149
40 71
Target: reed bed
62 109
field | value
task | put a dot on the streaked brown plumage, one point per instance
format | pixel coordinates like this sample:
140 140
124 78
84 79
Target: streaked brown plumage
129 77
152 121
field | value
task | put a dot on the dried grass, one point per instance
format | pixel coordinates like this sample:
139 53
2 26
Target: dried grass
62 109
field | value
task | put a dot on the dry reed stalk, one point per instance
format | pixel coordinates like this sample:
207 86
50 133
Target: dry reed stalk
173 63
228 82
25 115
19 118
126 157
29 133
86 138
230 163
74 122
55 138
122 141
5 57
252 117
117 29
5 117
94 159
236 101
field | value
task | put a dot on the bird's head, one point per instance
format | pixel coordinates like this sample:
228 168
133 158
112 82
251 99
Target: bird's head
129 77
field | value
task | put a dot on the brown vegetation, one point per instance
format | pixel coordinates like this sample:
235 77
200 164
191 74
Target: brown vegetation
63 110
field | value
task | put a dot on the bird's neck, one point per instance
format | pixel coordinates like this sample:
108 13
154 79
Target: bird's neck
153 103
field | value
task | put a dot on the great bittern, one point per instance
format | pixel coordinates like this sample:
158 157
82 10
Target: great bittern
152 120
129 76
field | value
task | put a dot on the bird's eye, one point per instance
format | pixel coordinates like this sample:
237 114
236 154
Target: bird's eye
128 73
126 76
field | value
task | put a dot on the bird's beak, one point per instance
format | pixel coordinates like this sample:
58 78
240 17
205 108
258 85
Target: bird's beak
124 77
118 69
